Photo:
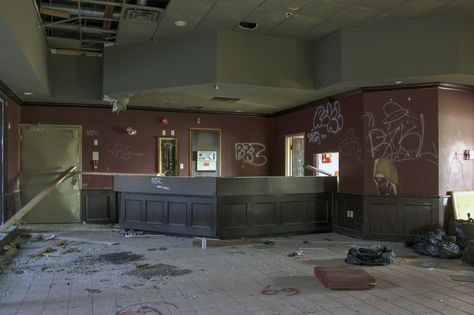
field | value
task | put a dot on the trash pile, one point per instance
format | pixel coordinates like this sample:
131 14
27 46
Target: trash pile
435 244
370 256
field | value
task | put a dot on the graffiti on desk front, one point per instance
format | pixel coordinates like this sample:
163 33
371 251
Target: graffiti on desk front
327 120
285 291
158 182
250 153
402 136
122 151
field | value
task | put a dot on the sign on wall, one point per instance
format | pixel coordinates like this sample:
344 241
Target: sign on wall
206 161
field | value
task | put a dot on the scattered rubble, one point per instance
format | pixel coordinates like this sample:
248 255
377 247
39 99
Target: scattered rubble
158 271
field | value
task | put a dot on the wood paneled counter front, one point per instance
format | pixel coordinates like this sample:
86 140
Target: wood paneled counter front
226 207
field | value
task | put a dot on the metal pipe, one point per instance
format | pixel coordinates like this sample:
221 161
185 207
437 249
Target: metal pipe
75 11
318 170
78 28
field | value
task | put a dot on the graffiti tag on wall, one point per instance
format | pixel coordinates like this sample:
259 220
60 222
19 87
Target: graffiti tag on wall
122 151
402 136
327 120
349 148
250 153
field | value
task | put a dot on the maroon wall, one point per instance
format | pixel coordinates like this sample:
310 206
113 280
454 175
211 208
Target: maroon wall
329 127
456 134
396 128
12 150
401 126
121 153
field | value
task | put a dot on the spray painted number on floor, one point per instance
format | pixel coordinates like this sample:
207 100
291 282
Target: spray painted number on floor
288 291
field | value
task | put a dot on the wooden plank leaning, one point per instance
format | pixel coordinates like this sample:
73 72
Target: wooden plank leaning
36 199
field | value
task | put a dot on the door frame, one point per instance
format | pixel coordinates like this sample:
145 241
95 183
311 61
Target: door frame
3 155
190 154
287 150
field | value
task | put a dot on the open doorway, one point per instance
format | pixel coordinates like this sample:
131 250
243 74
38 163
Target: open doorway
2 162
328 162
294 154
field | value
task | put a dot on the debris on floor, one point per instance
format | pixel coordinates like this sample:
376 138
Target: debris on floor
120 257
344 278
462 278
296 253
370 255
234 242
158 271
434 244
468 253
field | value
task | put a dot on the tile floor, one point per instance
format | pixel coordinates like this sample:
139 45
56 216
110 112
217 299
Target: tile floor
250 279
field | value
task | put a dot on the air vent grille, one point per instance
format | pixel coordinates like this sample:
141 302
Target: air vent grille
141 15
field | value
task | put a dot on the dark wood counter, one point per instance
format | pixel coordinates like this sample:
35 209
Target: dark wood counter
226 207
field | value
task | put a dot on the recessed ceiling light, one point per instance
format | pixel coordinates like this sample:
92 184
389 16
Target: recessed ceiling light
238 110
180 23
398 82
248 25
28 93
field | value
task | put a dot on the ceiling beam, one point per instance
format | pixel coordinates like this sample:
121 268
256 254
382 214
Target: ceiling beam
55 12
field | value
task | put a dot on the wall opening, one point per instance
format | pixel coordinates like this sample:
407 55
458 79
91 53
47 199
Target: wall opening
294 154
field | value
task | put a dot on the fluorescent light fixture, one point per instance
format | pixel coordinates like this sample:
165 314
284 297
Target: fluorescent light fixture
28 93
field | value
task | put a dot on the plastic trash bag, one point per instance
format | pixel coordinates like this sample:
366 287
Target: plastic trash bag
371 256
435 244
468 254
463 230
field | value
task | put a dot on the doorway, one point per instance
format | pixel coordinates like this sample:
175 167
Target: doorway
294 154
328 162
205 152
46 151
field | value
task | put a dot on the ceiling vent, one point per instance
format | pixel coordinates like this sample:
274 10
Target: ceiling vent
141 15
225 99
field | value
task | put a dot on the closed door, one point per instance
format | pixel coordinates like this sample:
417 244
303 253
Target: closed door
46 151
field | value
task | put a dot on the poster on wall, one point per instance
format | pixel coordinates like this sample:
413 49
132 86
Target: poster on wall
206 161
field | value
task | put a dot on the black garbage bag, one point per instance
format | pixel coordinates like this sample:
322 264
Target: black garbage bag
435 244
468 253
463 230
371 256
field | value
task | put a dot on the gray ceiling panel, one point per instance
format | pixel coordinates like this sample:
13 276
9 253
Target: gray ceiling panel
323 8
235 10
213 24
380 5
283 6
321 30
296 26
415 8
355 15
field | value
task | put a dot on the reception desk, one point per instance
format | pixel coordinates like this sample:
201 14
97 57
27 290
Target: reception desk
226 207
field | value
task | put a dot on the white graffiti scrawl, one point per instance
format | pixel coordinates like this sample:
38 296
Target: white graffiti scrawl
402 136
250 153
327 120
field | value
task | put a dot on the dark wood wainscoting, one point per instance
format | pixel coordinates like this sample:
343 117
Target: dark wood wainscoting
178 214
99 206
240 216
386 217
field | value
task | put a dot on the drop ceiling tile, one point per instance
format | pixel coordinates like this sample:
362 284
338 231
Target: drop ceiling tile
445 10
295 26
386 17
235 10
416 8
209 24
380 5
321 30
463 4
284 5
355 15
323 8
